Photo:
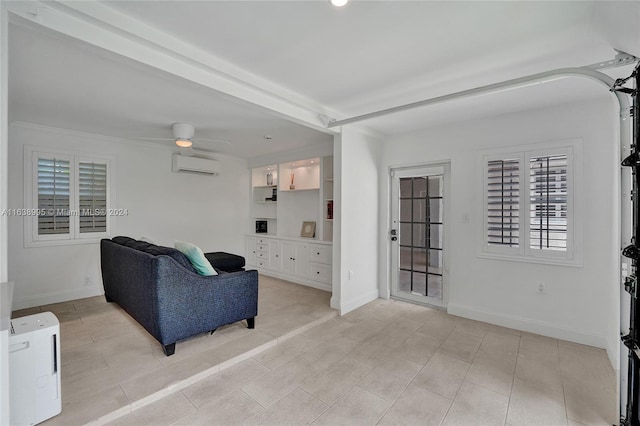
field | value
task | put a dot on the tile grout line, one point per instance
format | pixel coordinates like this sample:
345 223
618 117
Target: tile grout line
392 403
416 375
319 400
465 378
562 379
180 385
513 379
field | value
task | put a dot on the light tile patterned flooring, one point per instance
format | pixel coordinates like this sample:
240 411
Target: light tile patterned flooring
387 363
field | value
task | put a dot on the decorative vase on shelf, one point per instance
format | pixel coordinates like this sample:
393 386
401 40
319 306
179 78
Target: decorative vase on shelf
292 186
269 179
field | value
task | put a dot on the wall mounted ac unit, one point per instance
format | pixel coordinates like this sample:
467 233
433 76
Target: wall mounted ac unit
205 166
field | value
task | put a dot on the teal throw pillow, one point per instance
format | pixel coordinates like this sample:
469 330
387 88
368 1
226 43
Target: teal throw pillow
196 257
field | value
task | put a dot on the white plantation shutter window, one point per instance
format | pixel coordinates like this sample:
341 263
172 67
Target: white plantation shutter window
53 183
503 202
92 196
548 222
529 203
67 198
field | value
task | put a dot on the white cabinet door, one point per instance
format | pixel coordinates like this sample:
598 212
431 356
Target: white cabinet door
250 249
274 255
295 258
288 251
302 259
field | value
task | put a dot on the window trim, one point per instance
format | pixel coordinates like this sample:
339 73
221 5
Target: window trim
31 236
524 253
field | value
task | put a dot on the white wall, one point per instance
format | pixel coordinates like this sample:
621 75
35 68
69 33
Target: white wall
210 211
4 95
356 160
578 305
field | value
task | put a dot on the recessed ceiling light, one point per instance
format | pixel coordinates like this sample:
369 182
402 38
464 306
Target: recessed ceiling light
311 161
339 3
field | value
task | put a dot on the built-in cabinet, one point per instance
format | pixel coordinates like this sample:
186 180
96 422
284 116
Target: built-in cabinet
284 196
291 259
263 253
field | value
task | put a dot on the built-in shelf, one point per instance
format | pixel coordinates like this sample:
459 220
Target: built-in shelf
327 196
298 190
311 200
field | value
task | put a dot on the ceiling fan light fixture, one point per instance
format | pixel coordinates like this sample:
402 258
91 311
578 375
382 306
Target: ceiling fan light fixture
339 3
184 143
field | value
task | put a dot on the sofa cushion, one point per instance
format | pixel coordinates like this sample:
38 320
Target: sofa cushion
155 250
138 245
147 240
196 257
176 255
122 240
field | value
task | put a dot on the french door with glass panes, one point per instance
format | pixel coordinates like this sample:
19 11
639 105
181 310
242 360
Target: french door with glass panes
417 234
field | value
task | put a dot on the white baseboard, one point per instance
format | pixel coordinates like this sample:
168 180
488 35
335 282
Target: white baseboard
334 302
346 307
613 353
56 297
293 279
532 326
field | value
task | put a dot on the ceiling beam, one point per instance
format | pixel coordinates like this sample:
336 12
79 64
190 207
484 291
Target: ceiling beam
104 27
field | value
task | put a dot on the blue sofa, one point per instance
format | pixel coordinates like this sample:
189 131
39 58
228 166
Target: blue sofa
159 288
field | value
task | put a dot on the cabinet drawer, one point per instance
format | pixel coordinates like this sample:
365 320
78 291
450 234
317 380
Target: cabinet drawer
262 255
262 246
319 272
320 254
262 263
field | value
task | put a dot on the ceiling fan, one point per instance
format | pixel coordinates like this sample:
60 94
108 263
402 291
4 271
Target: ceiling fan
183 135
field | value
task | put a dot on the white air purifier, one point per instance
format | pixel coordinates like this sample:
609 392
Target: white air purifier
34 365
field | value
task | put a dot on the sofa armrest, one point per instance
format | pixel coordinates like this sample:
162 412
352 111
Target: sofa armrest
189 304
225 261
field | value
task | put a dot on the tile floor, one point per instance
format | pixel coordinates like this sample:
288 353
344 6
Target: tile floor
387 363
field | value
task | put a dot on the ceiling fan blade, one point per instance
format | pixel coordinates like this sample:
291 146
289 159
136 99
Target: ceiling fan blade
212 140
150 139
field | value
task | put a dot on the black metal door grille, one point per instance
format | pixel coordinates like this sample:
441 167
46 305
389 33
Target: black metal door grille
421 234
